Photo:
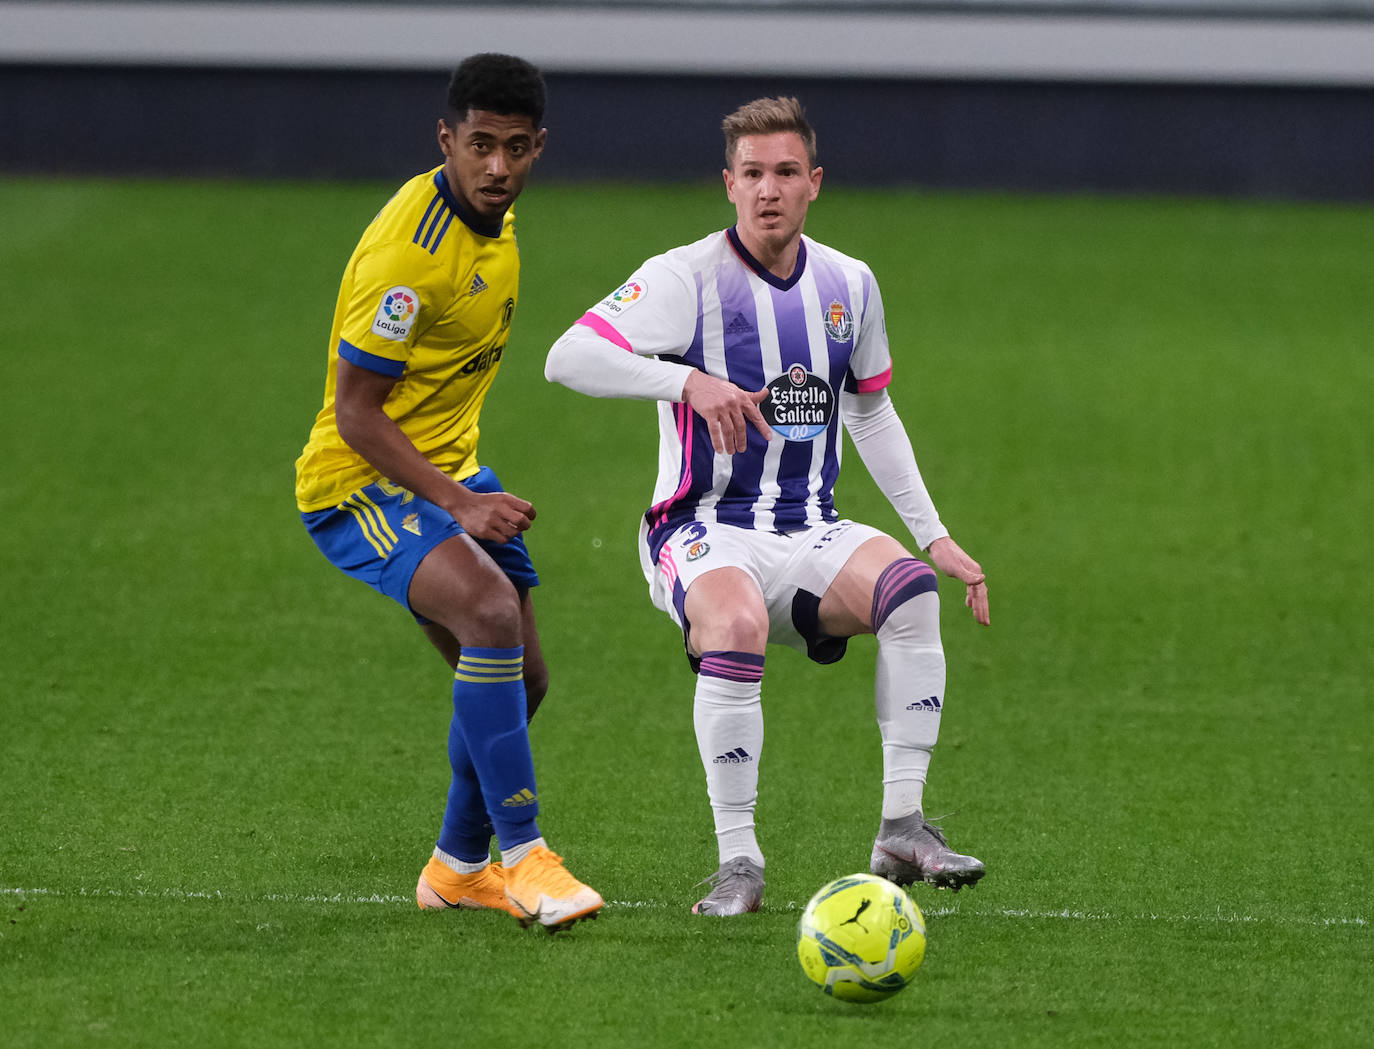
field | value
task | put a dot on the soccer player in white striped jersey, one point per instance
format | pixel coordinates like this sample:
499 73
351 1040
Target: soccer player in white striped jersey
758 343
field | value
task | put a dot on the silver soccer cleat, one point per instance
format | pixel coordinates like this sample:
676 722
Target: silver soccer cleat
909 850
737 888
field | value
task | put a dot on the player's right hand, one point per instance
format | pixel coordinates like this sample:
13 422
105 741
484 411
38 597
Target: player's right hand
727 409
495 516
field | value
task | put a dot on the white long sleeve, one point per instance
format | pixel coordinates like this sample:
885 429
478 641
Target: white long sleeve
885 448
586 362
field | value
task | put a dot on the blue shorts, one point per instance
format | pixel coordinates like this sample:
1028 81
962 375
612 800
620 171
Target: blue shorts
381 533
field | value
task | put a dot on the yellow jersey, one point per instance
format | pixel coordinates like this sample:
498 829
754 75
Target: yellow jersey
427 297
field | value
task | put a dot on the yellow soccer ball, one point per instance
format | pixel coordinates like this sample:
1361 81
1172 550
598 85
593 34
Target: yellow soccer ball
861 938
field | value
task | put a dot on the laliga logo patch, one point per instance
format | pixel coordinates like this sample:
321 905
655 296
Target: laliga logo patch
625 296
396 315
839 322
799 405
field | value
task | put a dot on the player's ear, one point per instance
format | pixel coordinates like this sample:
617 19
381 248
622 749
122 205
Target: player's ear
539 140
816 174
445 134
729 184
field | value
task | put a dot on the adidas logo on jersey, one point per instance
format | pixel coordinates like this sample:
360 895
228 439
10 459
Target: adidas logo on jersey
739 326
478 284
738 756
932 705
520 799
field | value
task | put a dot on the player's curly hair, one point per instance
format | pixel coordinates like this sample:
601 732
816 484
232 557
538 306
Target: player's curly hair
768 116
497 83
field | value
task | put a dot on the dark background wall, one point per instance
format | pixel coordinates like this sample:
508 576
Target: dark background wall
1005 95
1295 142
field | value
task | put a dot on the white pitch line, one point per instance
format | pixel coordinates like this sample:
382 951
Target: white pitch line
952 910
1219 917
189 894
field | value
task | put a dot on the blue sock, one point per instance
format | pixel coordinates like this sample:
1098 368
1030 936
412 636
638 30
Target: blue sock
465 833
489 720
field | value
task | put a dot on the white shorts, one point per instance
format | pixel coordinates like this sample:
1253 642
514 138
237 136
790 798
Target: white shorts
792 571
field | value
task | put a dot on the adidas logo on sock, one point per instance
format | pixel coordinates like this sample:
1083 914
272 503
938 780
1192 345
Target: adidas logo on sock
738 756
931 705
478 284
739 326
520 799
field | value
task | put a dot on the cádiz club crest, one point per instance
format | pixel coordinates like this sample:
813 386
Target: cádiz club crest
799 405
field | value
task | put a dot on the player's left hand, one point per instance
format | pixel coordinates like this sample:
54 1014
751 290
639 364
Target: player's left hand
952 561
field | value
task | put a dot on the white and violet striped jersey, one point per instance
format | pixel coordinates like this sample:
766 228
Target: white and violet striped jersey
712 306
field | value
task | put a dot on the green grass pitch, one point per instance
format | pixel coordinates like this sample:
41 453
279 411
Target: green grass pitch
223 762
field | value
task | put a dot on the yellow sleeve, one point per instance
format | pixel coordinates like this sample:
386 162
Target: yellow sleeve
395 293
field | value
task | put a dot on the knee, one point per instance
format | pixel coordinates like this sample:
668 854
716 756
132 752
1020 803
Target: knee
731 629
724 611
499 616
906 595
489 620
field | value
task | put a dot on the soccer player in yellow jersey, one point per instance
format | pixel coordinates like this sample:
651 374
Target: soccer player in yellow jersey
390 488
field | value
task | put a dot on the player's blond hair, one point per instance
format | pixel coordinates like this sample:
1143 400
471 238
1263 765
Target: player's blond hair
768 116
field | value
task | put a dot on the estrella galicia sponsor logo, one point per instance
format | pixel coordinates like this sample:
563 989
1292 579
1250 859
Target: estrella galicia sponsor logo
738 756
625 296
929 706
396 313
839 322
799 405
483 360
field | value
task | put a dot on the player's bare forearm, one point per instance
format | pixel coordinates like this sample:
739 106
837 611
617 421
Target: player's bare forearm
374 435
497 516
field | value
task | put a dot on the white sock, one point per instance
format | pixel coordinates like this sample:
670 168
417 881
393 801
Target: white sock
510 857
910 695
729 725
453 863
